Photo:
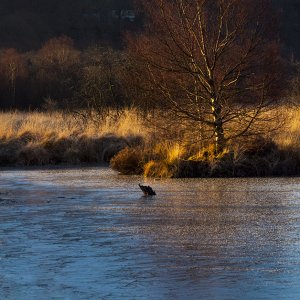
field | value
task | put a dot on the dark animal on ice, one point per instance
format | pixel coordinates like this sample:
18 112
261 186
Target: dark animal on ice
147 190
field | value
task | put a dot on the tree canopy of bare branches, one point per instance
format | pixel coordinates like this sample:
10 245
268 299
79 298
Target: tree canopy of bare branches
215 62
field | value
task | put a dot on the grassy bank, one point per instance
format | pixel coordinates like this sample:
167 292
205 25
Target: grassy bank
37 138
274 154
134 147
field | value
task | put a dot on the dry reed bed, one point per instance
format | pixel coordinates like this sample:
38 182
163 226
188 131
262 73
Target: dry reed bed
289 134
275 154
37 138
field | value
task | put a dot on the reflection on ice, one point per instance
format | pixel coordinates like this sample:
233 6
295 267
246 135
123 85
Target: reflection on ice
89 234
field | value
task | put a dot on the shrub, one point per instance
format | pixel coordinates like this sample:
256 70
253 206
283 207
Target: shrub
110 146
260 146
159 169
31 155
222 168
8 153
193 169
128 161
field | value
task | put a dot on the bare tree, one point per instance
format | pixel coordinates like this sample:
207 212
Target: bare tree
214 62
12 67
99 88
56 65
294 90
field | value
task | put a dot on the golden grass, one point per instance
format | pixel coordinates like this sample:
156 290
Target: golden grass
276 153
158 169
289 134
127 123
45 125
57 137
37 138
171 151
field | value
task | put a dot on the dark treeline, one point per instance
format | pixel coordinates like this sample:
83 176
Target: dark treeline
27 24
50 53
60 76
290 25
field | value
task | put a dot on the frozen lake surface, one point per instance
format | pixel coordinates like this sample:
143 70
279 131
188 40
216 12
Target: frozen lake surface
89 234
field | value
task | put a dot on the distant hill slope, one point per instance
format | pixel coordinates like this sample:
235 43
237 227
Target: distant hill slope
26 24
290 25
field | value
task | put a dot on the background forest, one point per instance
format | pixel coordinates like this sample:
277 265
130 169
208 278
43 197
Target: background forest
66 51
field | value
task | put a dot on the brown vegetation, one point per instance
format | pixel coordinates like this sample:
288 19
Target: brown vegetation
137 148
215 63
276 155
60 74
54 138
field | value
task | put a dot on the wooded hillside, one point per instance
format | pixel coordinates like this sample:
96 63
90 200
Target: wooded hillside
27 24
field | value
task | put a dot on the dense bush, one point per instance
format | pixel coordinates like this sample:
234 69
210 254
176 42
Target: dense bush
128 161
261 158
26 151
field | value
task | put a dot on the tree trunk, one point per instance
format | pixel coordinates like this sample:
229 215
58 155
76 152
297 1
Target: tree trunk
13 84
220 141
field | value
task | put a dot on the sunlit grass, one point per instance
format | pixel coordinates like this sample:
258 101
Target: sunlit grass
45 125
127 123
289 134
37 138
274 153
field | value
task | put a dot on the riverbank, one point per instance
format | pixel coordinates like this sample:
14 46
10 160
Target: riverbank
131 146
36 138
263 159
273 153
